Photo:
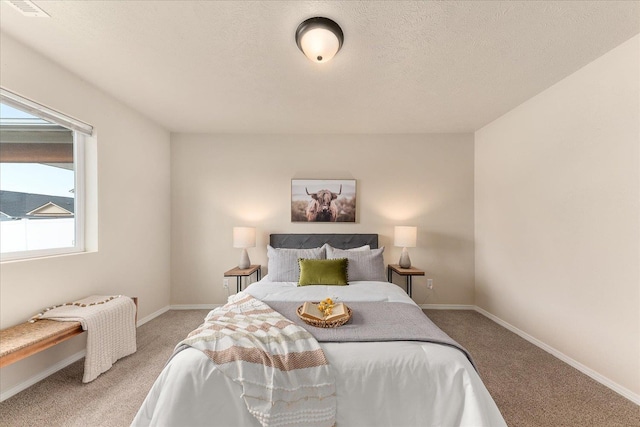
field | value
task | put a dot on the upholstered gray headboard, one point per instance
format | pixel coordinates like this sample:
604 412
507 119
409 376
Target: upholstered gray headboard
340 241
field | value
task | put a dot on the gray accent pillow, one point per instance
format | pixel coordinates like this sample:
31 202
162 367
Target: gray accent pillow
283 263
363 265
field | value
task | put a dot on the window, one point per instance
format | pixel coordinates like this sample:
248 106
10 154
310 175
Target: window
41 180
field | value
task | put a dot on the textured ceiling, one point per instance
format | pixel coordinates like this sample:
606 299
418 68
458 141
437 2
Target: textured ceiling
405 67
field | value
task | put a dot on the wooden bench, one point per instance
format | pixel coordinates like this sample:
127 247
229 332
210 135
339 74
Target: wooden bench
25 339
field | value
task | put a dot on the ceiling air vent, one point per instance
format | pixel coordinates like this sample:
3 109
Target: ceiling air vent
28 8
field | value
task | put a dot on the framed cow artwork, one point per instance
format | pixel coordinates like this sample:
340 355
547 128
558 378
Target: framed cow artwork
323 200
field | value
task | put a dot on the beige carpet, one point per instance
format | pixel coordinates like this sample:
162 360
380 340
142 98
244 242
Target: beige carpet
115 396
531 387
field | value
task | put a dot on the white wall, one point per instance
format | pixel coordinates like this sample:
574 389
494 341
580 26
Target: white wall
131 204
222 181
557 222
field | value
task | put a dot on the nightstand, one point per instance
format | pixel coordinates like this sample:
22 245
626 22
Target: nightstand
408 273
239 273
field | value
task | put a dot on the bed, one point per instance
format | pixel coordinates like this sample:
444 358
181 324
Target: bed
377 383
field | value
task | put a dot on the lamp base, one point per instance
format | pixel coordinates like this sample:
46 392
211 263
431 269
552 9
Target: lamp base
405 261
244 260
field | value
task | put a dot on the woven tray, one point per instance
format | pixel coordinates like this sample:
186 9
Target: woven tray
324 323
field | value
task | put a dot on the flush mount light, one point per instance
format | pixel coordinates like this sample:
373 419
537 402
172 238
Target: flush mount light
319 39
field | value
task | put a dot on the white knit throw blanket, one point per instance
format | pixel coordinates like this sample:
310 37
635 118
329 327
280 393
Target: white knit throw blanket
285 377
110 325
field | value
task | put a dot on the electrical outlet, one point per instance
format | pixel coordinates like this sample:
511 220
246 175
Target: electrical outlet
430 283
225 284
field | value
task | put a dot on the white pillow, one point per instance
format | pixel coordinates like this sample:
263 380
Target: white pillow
363 264
283 263
360 248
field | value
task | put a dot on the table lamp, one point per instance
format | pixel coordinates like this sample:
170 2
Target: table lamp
244 237
405 237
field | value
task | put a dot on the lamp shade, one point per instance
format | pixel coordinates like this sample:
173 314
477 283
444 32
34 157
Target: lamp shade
319 39
244 237
405 237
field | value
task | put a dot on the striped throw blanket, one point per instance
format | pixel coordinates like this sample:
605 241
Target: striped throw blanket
285 377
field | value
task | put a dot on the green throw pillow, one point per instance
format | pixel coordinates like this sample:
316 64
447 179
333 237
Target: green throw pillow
323 271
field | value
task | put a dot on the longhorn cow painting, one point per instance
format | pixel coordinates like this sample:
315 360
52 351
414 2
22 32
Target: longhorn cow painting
325 200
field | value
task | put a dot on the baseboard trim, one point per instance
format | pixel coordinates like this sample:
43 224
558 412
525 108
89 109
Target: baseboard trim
42 375
152 316
447 306
623 391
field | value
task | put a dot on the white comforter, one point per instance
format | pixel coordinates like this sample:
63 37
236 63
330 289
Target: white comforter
378 384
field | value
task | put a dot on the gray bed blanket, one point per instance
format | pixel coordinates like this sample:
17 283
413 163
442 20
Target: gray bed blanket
375 321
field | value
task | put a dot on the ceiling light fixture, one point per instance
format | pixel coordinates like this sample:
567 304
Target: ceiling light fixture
319 39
